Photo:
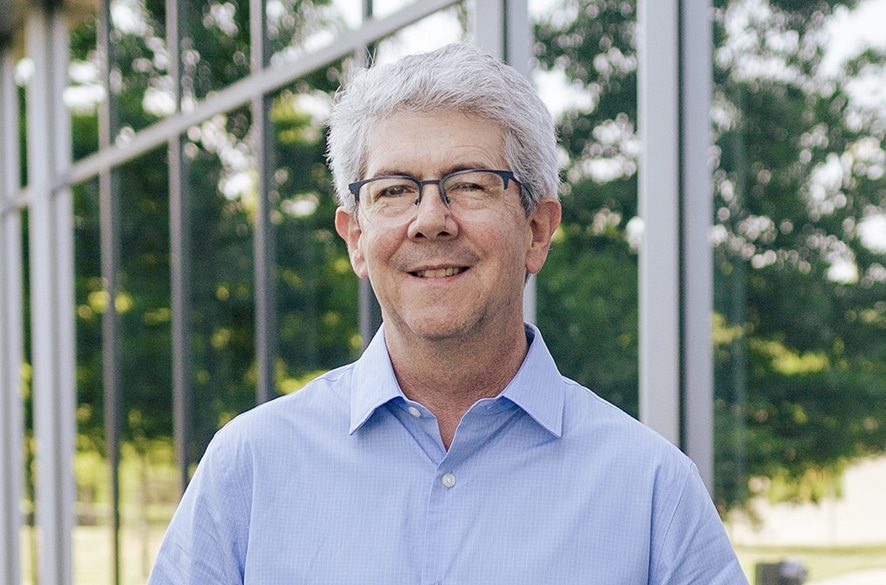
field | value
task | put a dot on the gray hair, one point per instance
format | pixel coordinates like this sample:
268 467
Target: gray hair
455 77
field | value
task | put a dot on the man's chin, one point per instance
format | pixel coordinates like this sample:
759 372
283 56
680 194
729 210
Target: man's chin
439 328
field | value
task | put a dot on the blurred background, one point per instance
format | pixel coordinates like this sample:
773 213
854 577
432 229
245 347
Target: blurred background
164 191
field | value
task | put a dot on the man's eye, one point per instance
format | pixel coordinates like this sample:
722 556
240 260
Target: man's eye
393 191
465 187
387 189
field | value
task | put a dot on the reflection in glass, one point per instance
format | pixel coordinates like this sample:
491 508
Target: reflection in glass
587 290
215 48
316 290
28 539
799 289
221 182
91 469
296 27
138 65
436 30
85 91
143 303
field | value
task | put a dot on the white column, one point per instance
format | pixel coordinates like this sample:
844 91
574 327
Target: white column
52 295
659 203
12 465
488 26
698 264
676 273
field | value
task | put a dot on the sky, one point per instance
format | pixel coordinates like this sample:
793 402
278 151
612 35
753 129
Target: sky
852 32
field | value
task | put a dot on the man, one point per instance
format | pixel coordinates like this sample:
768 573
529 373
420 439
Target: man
452 451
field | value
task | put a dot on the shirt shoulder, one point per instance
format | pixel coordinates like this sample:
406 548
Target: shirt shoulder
687 539
321 403
589 417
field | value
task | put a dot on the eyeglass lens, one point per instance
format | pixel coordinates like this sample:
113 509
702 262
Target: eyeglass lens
396 198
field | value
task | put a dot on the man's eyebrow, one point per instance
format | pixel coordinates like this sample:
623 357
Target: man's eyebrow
392 171
396 172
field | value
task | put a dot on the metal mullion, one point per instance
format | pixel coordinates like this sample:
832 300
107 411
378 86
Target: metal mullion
697 273
676 272
502 28
11 329
54 428
64 293
109 229
264 243
659 284
180 281
489 26
180 257
16 202
368 309
241 92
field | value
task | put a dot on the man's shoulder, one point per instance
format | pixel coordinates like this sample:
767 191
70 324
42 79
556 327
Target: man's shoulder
322 402
590 418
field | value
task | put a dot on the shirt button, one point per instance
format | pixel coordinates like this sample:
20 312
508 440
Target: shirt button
414 411
448 480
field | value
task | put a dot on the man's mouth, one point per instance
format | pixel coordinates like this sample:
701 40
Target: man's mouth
440 272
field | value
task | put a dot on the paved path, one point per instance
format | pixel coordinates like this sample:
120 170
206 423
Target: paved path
866 577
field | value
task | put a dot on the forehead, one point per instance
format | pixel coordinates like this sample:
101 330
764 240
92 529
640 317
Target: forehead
428 144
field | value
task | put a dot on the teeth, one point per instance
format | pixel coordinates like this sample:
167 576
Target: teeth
438 272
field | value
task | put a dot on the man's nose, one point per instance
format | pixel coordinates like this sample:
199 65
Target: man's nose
433 215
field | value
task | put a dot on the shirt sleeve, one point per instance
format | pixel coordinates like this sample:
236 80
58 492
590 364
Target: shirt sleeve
206 539
693 544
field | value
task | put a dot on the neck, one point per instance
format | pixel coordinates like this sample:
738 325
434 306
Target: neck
448 376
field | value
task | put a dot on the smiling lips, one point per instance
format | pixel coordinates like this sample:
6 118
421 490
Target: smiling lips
439 272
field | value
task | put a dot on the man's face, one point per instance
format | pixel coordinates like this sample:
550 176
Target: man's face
441 272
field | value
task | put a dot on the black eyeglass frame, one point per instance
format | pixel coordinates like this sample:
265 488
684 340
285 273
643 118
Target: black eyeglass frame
506 177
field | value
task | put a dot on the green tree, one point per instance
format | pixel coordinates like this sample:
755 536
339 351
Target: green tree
316 304
800 376
587 290
799 171
799 355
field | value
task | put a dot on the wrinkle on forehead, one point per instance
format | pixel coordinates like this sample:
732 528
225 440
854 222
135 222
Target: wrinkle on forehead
441 147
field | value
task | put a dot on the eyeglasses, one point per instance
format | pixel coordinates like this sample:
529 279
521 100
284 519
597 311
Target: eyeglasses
393 199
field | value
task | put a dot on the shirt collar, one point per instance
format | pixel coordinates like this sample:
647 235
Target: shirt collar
537 387
374 382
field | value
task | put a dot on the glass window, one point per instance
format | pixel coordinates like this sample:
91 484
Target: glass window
316 311
146 471
800 282
436 30
587 291
85 90
138 85
91 469
220 167
215 49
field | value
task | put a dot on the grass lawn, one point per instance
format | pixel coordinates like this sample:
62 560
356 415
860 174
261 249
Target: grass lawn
93 556
821 563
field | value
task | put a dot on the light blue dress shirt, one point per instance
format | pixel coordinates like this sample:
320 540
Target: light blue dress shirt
347 482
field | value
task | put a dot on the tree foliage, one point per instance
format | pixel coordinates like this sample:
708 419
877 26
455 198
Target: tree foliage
800 375
800 294
315 298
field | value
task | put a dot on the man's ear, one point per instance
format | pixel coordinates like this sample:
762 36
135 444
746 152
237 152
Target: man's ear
349 229
543 222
